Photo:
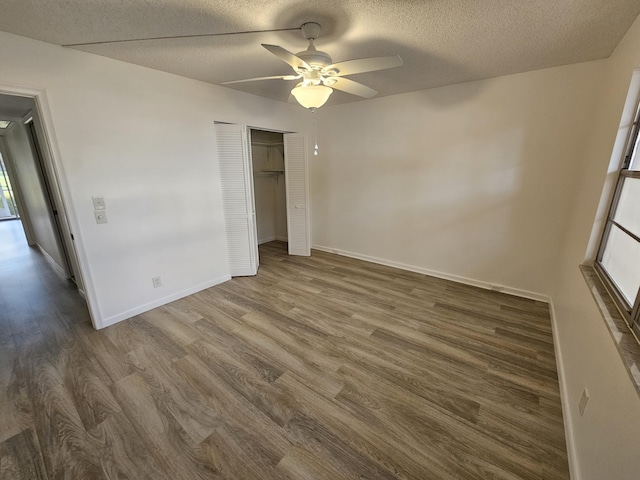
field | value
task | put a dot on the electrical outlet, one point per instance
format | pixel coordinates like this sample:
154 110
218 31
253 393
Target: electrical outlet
583 402
157 282
101 216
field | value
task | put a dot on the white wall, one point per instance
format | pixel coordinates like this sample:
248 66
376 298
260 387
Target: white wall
497 181
607 437
144 140
30 184
469 181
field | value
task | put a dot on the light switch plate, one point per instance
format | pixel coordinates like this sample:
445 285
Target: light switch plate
98 203
101 216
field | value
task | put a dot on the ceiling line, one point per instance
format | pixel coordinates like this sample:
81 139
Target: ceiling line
179 36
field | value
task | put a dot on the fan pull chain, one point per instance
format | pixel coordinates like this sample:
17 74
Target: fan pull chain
315 132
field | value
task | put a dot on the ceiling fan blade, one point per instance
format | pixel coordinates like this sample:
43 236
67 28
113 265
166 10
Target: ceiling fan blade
281 77
362 65
283 54
354 88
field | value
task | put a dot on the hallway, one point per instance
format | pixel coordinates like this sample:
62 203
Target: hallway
30 291
35 303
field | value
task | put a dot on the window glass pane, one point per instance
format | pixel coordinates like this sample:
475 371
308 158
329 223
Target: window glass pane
621 260
628 209
635 160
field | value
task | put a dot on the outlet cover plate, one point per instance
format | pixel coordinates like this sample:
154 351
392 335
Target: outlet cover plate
98 203
101 216
584 399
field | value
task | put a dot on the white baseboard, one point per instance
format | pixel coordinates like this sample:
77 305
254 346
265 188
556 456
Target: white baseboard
271 239
432 273
159 302
574 471
56 268
266 239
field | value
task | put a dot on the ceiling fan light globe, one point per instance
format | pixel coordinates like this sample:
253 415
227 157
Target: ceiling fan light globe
312 96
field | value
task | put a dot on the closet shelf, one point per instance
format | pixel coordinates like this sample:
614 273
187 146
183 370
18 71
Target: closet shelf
268 173
266 144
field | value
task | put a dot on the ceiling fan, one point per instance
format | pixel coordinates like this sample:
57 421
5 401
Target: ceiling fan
319 76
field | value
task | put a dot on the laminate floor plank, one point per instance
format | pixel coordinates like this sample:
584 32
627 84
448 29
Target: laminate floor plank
284 356
425 424
321 367
16 413
161 433
301 464
241 403
361 435
123 455
103 351
175 395
66 446
21 458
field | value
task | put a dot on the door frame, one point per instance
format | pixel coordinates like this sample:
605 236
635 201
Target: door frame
286 183
48 190
308 185
58 181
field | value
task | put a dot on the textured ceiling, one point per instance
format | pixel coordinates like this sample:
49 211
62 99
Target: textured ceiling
442 42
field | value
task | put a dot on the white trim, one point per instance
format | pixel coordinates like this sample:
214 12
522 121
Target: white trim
266 239
292 248
272 238
159 302
66 208
572 457
433 273
57 268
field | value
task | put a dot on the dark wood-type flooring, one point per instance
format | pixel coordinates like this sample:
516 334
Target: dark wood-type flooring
317 368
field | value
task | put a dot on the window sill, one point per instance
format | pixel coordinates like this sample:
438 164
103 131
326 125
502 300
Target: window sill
625 341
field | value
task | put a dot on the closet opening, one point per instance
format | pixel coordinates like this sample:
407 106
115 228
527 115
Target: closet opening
270 193
256 185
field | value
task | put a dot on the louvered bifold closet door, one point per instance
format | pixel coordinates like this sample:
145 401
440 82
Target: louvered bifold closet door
297 180
234 157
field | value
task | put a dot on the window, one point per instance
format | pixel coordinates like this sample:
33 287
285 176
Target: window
618 259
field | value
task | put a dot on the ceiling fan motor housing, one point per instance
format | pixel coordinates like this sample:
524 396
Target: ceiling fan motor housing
315 58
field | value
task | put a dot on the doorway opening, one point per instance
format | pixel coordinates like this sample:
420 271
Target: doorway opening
238 178
8 207
267 157
30 190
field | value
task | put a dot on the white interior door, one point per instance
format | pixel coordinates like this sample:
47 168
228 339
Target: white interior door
297 181
234 157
